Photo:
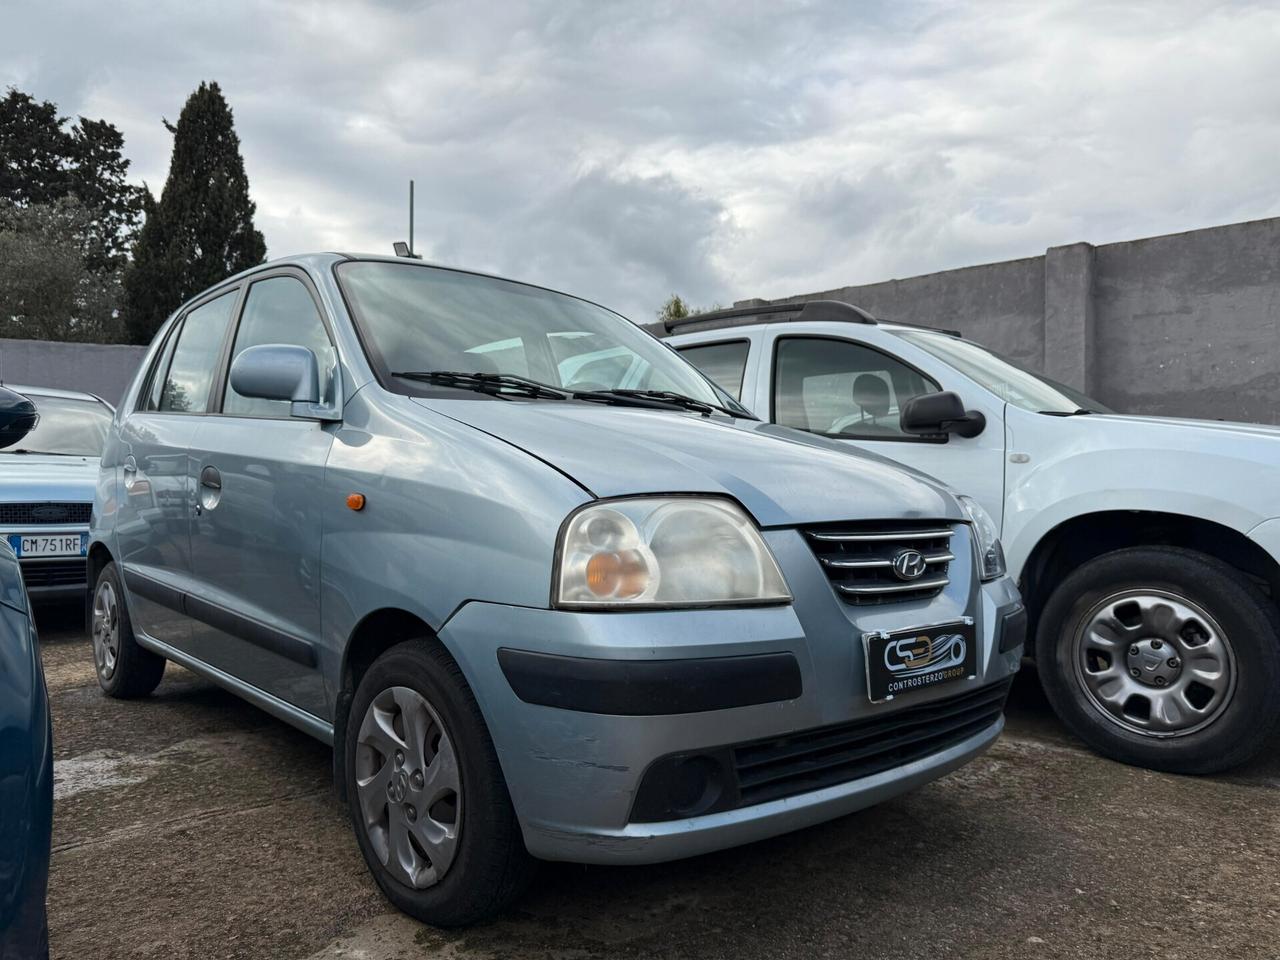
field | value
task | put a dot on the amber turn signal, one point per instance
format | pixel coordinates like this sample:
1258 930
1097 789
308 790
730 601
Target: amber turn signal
355 501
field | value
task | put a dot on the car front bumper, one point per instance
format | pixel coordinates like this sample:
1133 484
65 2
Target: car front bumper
574 775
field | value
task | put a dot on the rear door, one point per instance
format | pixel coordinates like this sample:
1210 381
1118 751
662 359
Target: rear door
256 530
153 523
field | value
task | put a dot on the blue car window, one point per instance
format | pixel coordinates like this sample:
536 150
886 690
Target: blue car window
186 388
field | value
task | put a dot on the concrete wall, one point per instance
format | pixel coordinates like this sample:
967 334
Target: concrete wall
106 369
1182 325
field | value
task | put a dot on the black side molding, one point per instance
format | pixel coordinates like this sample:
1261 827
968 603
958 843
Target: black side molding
259 634
1013 628
647 688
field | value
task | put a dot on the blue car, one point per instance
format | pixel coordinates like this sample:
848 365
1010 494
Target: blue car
26 745
547 590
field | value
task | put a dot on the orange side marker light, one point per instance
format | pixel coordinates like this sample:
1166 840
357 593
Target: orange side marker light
355 501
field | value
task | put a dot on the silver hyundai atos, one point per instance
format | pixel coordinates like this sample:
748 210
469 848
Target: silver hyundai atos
547 590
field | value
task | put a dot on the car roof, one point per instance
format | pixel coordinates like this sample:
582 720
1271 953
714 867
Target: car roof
759 314
52 392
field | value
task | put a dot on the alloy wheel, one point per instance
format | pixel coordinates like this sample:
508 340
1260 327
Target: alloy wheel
409 787
106 629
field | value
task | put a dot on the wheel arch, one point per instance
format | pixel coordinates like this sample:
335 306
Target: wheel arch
99 556
1083 537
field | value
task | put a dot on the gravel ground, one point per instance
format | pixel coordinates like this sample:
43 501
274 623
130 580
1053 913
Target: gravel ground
192 825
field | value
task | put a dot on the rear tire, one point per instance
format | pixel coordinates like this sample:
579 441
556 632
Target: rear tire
125 670
1163 657
428 801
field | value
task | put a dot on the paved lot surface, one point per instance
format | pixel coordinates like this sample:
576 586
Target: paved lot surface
192 825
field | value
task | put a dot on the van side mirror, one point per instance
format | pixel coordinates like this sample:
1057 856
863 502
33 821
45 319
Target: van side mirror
941 413
281 371
18 417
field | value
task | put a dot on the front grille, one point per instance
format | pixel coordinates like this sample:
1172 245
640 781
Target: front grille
54 573
802 762
858 558
43 514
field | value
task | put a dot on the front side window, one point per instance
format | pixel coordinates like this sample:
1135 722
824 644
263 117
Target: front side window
1013 384
844 389
724 363
419 318
280 310
67 427
186 387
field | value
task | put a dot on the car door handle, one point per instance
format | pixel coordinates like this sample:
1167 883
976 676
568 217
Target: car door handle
210 489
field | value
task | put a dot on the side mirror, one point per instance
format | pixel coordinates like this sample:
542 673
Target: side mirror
18 417
941 413
280 371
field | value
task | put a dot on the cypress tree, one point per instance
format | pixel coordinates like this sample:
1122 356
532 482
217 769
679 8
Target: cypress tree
201 229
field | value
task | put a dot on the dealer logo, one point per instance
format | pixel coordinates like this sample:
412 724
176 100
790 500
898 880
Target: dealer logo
911 656
908 564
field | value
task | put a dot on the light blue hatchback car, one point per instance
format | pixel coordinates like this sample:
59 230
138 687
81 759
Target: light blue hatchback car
547 590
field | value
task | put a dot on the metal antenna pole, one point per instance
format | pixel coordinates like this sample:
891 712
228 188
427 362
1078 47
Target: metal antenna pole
411 218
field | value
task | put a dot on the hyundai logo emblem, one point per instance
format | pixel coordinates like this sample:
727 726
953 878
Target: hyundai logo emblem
908 564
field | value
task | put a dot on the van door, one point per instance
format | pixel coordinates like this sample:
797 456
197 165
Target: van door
153 524
256 532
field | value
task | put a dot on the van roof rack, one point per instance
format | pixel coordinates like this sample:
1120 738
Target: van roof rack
795 311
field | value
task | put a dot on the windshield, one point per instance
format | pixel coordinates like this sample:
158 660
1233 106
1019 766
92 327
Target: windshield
70 427
415 317
1022 388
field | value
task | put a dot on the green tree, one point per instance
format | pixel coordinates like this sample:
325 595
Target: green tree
674 309
48 291
201 229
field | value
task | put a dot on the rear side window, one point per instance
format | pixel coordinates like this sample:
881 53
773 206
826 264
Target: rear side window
199 346
280 310
722 362
155 383
844 389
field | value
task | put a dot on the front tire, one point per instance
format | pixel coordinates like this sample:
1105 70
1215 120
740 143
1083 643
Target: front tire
428 801
125 670
1163 657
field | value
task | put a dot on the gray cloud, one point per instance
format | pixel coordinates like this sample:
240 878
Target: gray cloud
719 149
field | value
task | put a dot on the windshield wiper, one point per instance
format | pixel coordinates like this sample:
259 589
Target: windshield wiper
1078 412
42 453
662 397
487 383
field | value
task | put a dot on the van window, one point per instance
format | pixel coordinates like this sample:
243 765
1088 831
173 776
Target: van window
280 310
724 363
186 388
840 388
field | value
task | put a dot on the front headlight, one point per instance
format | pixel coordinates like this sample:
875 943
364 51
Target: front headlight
985 535
665 552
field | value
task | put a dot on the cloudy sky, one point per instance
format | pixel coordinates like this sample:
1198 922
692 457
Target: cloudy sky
722 150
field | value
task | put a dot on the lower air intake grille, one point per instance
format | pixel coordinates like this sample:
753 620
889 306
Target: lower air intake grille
859 558
802 762
54 573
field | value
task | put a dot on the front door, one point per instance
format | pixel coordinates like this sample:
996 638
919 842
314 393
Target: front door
256 533
854 392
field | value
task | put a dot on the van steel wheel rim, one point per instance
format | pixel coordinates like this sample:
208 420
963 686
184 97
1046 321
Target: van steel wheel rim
409 787
106 629
1155 663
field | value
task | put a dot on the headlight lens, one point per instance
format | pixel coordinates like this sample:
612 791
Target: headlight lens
990 553
665 552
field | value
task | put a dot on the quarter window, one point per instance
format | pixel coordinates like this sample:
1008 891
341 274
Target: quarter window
186 388
724 363
840 388
280 310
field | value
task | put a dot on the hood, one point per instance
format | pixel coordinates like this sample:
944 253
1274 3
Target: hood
41 477
781 476
1187 428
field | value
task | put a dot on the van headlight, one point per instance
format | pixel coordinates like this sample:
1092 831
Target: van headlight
985 535
664 552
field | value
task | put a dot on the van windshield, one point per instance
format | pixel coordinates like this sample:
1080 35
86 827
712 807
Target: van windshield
415 317
1009 382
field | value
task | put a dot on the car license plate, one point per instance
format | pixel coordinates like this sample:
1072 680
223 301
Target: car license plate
920 657
49 545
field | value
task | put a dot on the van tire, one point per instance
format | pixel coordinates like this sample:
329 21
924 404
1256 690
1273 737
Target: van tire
125 670
1122 593
491 866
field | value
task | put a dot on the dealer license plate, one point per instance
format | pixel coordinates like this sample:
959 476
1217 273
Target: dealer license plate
49 545
918 658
